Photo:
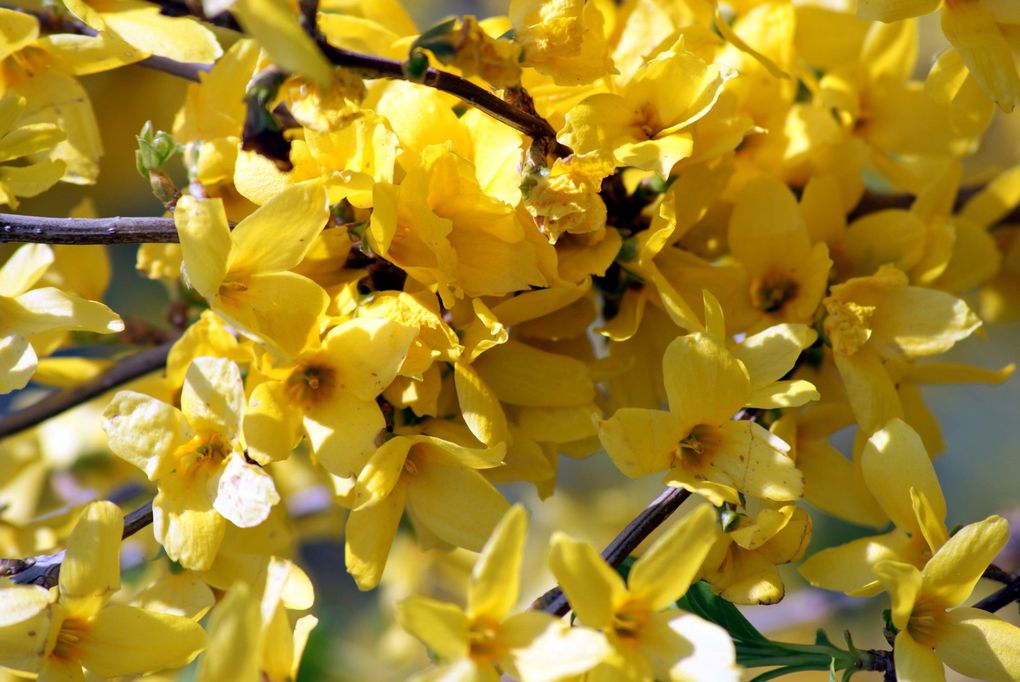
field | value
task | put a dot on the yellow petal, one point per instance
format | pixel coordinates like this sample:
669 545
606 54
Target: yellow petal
713 657
455 503
770 354
972 29
245 493
641 442
545 650
122 640
520 374
369 534
833 484
145 431
479 405
18 362
849 568
24 268
981 645
55 669
957 566
90 573
281 308
17 30
48 308
370 352
755 461
185 523
343 432
233 628
181 39
766 227
382 472
25 615
663 573
869 389
894 461
920 321
272 423
213 396
495 580
783 394
903 582
916 662
441 626
704 381
593 588
280 232
275 25
205 242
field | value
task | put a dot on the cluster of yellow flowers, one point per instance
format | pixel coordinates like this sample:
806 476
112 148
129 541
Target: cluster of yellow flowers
413 267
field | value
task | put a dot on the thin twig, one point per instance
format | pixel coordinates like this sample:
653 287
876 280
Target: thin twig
44 569
180 69
128 369
1001 598
623 545
42 230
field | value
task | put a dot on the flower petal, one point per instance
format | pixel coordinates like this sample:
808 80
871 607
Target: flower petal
25 621
957 566
593 588
369 535
145 432
915 662
479 405
495 580
185 523
24 268
981 645
640 441
233 627
90 573
770 354
663 573
205 242
705 383
903 582
370 352
126 640
441 626
245 493
279 233
18 362
212 399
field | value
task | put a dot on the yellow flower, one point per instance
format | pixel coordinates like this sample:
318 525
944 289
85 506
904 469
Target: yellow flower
898 472
244 273
648 642
196 458
697 441
26 311
57 633
328 392
646 124
934 628
479 642
880 316
436 480
786 275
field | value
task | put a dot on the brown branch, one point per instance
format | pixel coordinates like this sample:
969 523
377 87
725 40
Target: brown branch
42 230
125 370
1001 598
44 569
623 545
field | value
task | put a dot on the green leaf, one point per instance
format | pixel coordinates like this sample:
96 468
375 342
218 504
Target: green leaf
701 601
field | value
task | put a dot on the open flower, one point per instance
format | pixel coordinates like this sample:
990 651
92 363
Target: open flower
56 633
934 628
699 444
477 642
648 642
196 458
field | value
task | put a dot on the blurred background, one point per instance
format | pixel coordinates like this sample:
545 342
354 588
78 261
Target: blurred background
355 640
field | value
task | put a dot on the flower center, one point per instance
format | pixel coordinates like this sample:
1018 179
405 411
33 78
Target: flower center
926 621
205 451
772 291
629 620
696 449
483 641
67 647
310 385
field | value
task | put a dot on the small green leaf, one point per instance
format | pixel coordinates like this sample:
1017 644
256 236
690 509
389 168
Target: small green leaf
701 601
